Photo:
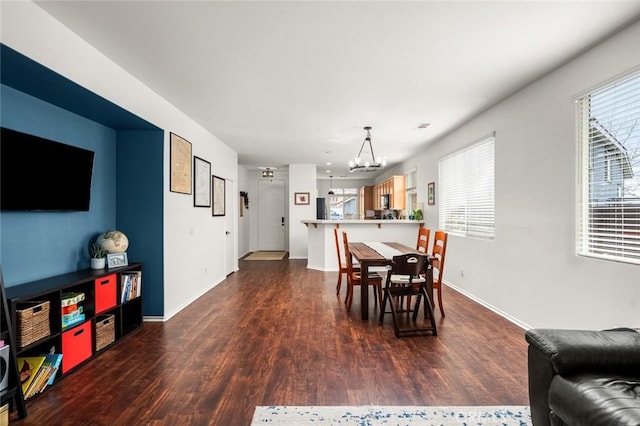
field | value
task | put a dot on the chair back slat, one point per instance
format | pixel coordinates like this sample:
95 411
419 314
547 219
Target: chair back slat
438 252
347 255
337 238
423 239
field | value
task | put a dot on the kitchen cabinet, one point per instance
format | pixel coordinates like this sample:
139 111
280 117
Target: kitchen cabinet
395 187
366 200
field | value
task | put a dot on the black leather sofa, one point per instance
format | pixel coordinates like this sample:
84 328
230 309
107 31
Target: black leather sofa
579 377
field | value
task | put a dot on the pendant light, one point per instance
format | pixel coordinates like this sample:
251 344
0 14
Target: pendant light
330 186
373 165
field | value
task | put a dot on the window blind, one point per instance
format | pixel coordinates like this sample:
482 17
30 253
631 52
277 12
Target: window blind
609 171
467 191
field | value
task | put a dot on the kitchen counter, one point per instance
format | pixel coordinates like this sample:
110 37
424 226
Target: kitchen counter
367 221
321 249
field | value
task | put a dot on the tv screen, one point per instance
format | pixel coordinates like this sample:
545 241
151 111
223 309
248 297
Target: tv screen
40 174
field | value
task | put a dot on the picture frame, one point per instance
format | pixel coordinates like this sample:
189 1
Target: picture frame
301 198
431 193
117 260
201 182
218 184
180 164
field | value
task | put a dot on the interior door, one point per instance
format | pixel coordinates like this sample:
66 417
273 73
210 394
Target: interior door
271 219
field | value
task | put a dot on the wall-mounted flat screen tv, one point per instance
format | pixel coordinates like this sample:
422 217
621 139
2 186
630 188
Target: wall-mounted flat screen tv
40 174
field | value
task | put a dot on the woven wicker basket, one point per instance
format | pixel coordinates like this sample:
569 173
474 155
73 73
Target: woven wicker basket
105 331
32 322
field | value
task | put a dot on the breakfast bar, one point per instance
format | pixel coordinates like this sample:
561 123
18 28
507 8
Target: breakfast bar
321 253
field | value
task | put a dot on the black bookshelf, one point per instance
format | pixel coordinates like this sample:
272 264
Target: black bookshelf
103 297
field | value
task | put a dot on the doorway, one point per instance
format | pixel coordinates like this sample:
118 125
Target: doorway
271 218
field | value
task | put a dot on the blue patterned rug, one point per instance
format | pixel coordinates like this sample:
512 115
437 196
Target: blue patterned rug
377 415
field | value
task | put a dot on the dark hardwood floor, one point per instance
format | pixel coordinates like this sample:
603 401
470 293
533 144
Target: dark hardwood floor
275 333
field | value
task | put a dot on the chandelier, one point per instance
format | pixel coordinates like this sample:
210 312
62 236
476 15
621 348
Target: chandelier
372 165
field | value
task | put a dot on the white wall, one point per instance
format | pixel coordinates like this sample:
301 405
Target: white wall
193 255
530 271
302 178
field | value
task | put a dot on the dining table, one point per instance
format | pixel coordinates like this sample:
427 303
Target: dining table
380 254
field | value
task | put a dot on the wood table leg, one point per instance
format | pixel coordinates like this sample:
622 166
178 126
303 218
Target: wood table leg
364 287
429 277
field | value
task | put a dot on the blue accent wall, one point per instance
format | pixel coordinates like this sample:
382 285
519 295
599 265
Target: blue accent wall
139 158
36 245
127 186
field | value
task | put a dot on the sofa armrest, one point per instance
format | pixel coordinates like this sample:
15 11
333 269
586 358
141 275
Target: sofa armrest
579 350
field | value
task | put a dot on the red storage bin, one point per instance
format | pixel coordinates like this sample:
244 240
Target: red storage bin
105 293
76 346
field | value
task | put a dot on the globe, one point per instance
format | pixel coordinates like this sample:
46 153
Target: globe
113 242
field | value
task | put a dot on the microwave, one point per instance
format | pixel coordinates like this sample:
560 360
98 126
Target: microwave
385 201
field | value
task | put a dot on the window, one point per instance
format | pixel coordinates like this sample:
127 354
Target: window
343 204
411 191
467 194
609 171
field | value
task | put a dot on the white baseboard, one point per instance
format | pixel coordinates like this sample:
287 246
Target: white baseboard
184 305
153 318
503 314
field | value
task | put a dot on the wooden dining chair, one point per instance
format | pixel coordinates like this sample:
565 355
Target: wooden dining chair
438 253
407 278
354 278
342 266
423 247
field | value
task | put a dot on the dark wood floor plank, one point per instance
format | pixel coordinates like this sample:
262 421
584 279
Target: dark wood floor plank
275 333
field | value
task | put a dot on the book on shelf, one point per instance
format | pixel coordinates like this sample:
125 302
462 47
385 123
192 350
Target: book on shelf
28 367
130 285
73 321
71 299
41 378
55 360
72 311
44 376
74 317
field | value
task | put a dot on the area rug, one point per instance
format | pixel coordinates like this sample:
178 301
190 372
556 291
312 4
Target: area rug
266 255
372 415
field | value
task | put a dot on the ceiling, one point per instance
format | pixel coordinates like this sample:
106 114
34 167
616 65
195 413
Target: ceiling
295 82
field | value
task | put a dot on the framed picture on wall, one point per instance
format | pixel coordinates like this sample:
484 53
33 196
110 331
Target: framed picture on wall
431 193
301 198
201 182
180 164
218 184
